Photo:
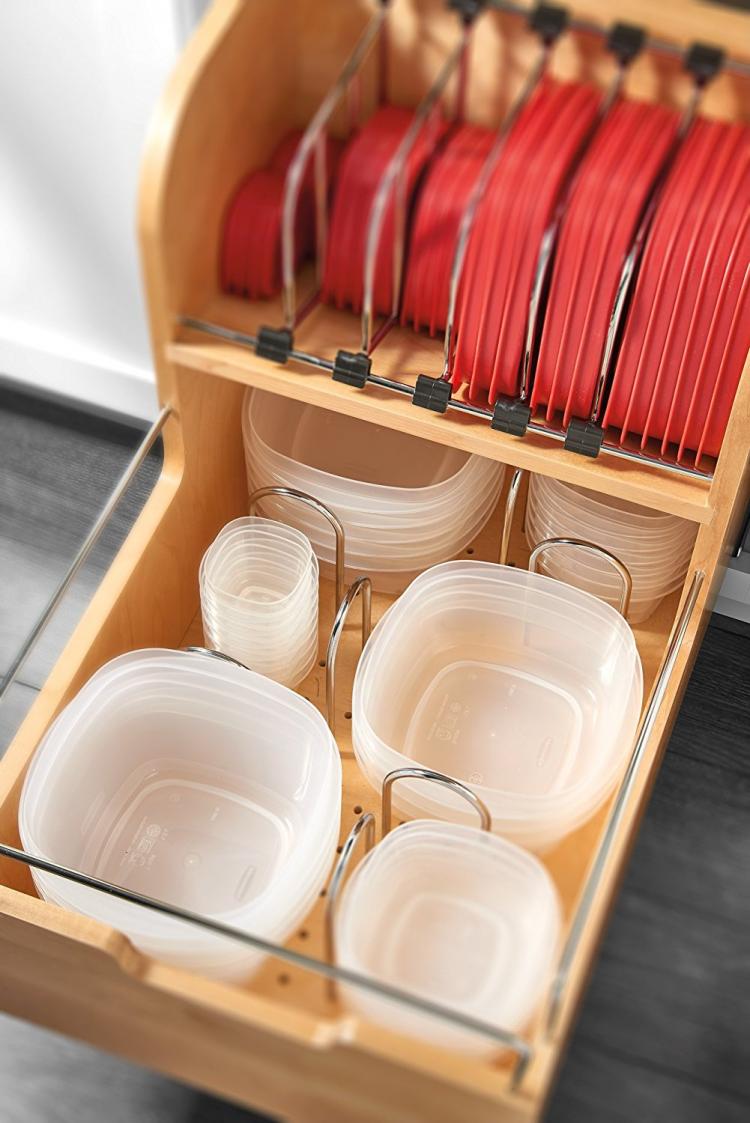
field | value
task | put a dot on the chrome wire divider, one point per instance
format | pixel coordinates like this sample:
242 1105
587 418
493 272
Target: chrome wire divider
361 587
245 339
590 27
501 1037
393 184
316 505
213 653
470 211
625 44
416 773
596 872
364 824
629 271
85 549
510 506
314 141
580 544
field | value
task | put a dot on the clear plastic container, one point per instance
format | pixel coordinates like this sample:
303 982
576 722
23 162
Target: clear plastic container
404 503
259 586
655 548
523 688
453 915
194 781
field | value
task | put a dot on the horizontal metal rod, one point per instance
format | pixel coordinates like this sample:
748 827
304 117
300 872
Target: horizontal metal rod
88 544
456 404
504 1038
652 42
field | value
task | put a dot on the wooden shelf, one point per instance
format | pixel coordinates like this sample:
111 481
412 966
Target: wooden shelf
401 356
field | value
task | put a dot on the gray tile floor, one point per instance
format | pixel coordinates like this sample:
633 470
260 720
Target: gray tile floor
662 1035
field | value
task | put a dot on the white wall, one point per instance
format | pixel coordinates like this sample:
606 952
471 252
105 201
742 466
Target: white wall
78 81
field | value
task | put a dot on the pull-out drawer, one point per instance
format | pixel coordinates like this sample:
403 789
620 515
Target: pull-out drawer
282 1042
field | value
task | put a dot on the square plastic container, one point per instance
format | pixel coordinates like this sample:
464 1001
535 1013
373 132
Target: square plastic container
523 688
193 781
454 915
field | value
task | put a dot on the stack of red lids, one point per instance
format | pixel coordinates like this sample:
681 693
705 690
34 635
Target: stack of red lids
688 328
251 244
503 249
610 192
363 166
444 197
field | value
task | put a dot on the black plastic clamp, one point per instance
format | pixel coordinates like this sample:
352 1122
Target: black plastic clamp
352 367
274 344
625 41
549 21
512 416
704 62
432 393
468 10
584 437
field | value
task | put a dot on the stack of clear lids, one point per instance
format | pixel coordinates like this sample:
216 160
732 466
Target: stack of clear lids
187 779
259 598
455 916
655 547
405 503
523 688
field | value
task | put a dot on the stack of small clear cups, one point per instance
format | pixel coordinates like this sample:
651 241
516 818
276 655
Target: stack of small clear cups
259 598
655 547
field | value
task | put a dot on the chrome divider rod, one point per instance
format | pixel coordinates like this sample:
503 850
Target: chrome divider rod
86 547
363 587
503 1038
485 819
510 507
212 653
629 270
579 543
394 182
244 339
326 512
364 823
596 872
313 141
470 211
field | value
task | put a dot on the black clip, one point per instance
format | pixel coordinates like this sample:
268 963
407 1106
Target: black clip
512 416
274 344
625 41
549 21
468 10
584 437
352 367
704 62
432 393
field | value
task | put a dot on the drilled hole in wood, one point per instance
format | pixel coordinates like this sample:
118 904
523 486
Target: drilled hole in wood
357 810
348 714
470 550
303 933
321 663
323 892
339 849
283 980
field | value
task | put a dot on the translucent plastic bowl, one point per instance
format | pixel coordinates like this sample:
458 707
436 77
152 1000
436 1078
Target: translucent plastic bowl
456 916
525 689
194 781
404 503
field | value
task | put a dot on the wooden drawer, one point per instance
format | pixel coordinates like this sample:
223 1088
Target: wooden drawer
281 1043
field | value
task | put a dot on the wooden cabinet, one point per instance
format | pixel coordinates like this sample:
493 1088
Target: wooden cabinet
280 1043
